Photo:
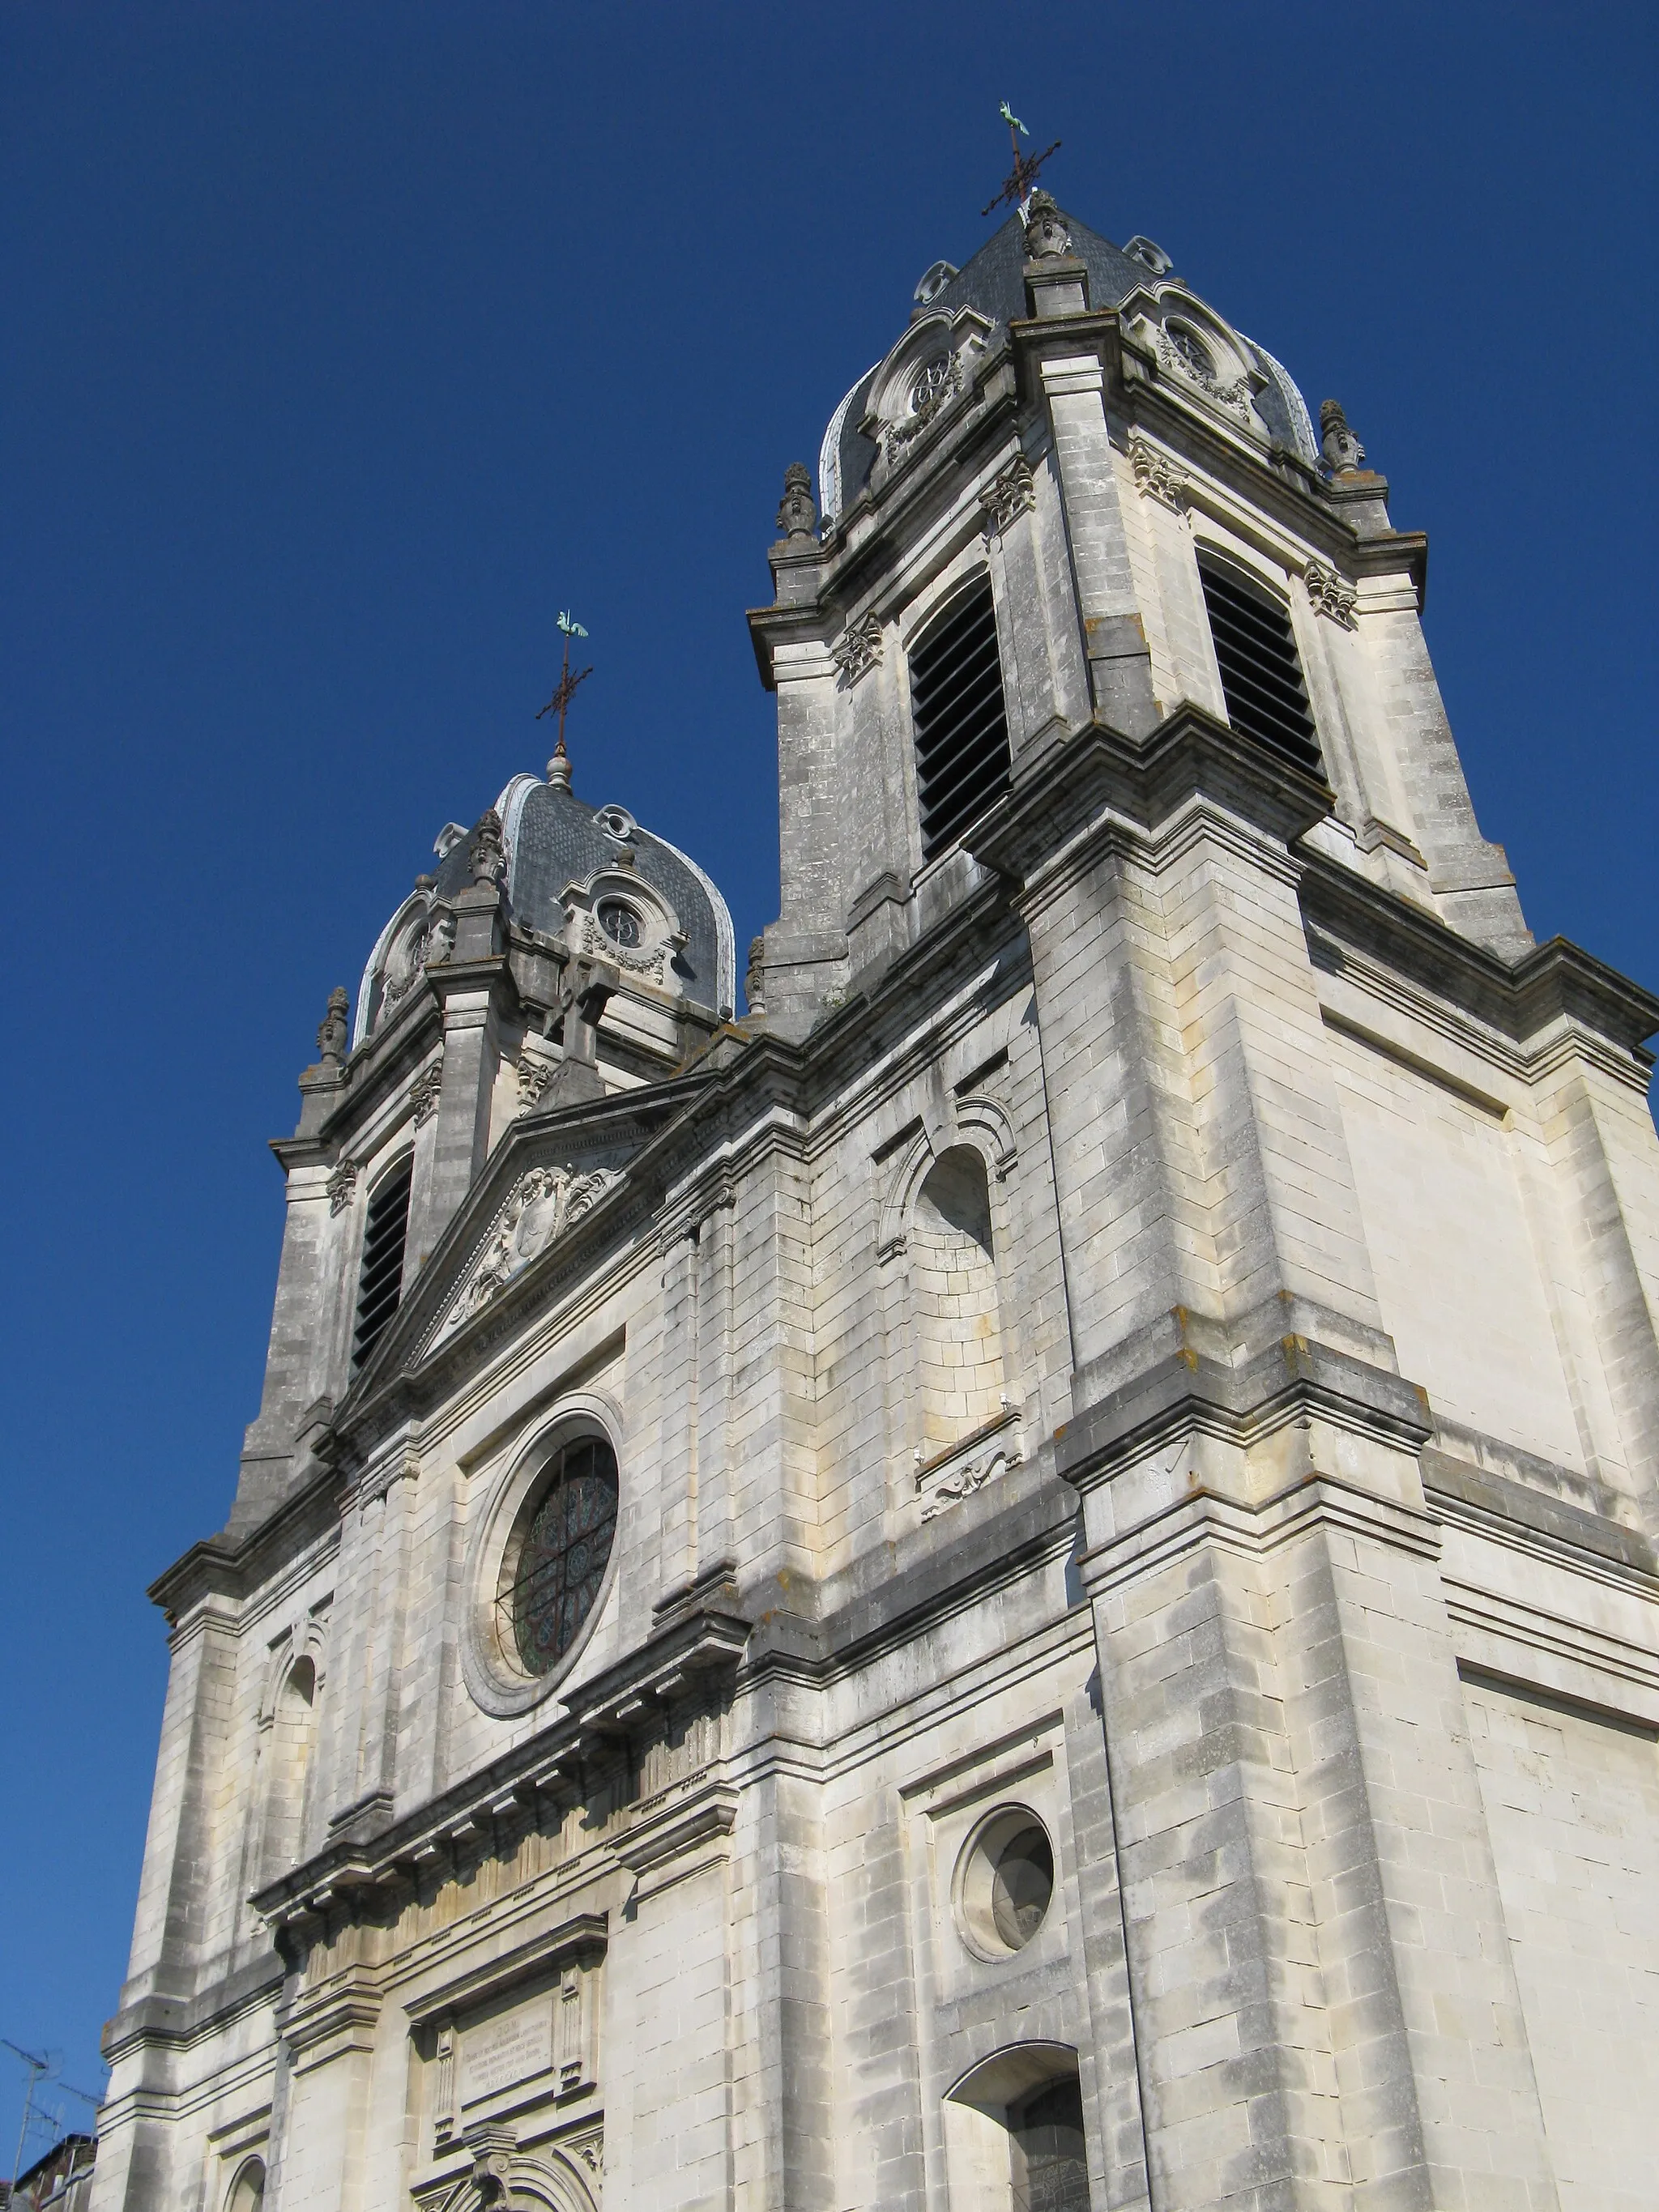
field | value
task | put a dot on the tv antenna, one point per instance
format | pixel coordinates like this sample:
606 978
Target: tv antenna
37 2068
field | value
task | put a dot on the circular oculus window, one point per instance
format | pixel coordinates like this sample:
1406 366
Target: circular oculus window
932 383
619 922
1193 350
1005 1882
554 1568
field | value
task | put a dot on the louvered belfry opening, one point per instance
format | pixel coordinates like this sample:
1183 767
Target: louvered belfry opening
962 726
1260 675
380 1285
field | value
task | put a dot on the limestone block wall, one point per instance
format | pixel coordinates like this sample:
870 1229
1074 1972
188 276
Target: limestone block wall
1572 1804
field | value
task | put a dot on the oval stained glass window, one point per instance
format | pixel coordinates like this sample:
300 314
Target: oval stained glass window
561 1557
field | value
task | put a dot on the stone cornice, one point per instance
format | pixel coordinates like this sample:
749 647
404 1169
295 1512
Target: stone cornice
1296 1378
1557 980
701 1644
1099 773
179 2021
584 1935
228 1566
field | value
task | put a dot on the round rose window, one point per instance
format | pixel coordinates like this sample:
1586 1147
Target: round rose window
557 1567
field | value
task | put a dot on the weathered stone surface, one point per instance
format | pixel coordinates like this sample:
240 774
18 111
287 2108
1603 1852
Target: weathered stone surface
1146 1329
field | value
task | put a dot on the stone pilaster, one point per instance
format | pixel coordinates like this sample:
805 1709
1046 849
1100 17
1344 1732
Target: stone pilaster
1324 1985
1115 639
806 946
678 1397
470 986
1048 695
1470 876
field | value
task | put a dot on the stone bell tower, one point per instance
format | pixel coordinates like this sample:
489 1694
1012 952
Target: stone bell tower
1267 947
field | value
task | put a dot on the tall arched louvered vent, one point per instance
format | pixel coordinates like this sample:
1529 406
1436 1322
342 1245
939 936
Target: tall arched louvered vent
1260 674
962 728
381 1283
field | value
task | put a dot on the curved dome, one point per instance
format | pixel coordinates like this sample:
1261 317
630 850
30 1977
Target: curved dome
994 284
554 839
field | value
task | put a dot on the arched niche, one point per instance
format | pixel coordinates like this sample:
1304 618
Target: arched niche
1014 2135
247 2190
288 1751
961 1369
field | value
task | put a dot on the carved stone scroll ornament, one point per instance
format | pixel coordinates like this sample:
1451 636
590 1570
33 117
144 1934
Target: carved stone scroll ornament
1156 476
492 2145
424 1097
931 390
590 2150
650 961
1331 594
428 944
543 1204
1009 493
534 1076
342 1187
963 1481
858 649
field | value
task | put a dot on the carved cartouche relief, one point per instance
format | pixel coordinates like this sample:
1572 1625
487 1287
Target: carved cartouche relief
544 1203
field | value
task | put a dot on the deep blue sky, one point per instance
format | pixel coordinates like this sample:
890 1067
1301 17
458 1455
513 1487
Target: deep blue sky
345 343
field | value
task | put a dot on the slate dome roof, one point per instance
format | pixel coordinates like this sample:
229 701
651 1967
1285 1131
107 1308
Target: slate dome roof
993 282
554 839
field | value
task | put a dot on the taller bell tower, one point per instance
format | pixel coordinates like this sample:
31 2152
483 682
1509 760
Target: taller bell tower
1097 629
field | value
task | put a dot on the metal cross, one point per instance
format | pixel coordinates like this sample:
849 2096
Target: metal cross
559 703
1018 187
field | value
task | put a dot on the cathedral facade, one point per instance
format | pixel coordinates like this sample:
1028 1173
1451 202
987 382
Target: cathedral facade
1023 1577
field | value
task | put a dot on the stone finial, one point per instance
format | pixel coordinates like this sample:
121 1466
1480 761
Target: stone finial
488 855
1343 450
558 769
1046 235
754 983
331 1037
798 517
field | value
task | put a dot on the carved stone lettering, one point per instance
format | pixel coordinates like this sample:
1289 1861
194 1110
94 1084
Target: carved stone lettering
498 2053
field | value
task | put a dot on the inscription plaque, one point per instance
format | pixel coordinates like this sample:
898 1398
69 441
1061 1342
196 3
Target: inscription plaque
498 2053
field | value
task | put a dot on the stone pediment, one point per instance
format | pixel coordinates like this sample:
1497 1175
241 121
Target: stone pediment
540 1207
527 1217
543 1204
